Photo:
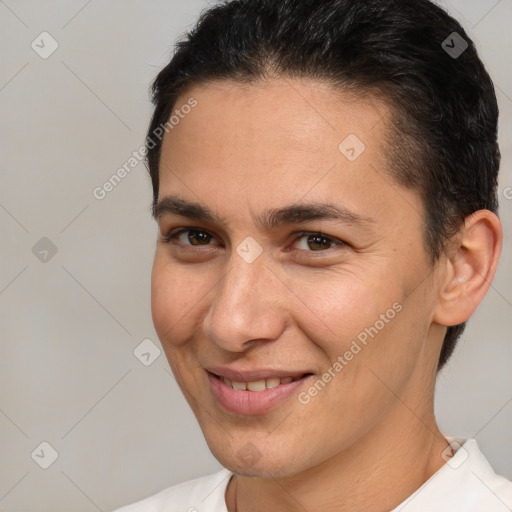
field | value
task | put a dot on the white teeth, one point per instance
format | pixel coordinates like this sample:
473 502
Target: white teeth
273 382
257 385
242 386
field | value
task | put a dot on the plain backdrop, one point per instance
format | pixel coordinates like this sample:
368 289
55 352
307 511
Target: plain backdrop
75 270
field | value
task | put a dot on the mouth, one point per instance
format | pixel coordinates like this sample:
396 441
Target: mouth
254 393
260 384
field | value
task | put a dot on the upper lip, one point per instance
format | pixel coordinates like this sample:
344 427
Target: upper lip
255 374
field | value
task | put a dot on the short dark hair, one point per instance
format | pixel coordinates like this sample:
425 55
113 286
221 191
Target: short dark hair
444 110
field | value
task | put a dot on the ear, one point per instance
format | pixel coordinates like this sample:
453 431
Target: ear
471 260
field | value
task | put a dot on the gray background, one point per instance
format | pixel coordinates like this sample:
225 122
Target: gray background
70 323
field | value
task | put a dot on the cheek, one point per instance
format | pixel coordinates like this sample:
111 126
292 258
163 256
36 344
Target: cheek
176 295
339 307
361 321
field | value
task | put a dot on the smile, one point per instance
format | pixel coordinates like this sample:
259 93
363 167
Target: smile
252 397
258 385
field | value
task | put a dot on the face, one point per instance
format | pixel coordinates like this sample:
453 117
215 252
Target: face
286 253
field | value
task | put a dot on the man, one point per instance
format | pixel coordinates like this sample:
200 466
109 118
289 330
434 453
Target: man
324 177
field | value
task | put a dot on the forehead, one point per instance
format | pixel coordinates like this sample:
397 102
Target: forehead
276 142
298 114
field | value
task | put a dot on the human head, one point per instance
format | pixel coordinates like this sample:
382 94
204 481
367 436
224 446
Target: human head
444 137
247 161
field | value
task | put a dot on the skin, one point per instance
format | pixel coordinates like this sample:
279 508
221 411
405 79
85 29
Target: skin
368 439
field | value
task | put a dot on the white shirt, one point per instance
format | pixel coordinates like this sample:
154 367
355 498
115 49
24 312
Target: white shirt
466 483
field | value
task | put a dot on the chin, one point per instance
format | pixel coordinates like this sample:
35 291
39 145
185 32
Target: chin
260 459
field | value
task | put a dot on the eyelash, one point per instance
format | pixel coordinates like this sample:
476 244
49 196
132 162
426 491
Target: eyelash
173 235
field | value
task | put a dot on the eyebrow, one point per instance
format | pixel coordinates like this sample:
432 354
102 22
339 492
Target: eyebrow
292 214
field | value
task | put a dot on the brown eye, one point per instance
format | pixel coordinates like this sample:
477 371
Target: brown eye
318 242
189 237
314 242
198 237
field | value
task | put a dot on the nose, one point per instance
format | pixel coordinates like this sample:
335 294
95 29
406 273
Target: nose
247 307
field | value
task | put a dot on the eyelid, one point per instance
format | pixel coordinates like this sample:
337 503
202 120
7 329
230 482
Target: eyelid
173 234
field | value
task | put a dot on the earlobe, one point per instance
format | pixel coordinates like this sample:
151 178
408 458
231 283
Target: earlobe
471 260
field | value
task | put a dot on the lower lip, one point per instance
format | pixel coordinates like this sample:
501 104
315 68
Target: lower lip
252 402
